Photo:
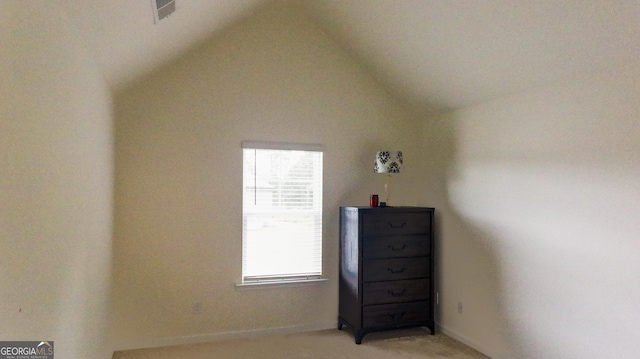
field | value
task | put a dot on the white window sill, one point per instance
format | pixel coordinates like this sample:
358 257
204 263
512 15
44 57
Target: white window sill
266 284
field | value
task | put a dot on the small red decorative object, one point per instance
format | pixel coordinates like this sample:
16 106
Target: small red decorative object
373 201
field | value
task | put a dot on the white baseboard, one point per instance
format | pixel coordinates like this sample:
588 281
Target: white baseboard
470 342
210 337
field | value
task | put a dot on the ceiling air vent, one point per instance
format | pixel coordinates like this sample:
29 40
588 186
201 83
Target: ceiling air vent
162 9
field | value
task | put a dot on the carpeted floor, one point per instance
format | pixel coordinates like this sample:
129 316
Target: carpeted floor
407 344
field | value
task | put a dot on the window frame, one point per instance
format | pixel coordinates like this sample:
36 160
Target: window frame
271 281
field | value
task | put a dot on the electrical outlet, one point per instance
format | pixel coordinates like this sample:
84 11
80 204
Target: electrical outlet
196 308
460 307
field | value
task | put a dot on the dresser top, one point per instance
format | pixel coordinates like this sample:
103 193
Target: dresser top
387 209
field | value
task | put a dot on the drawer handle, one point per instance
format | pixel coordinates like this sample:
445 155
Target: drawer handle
397 249
396 293
401 225
396 316
395 271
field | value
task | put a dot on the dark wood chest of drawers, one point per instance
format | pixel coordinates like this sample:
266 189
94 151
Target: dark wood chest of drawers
386 269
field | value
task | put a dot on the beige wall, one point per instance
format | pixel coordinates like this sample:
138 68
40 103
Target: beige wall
55 185
539 196
178 239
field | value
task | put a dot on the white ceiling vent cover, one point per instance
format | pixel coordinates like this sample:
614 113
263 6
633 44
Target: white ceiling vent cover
162 9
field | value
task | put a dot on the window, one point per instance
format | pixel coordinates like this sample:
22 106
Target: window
281 211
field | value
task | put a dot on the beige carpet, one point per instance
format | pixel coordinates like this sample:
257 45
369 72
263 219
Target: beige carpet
410 343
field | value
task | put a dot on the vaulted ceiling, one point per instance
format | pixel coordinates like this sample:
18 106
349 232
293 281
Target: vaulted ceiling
436 54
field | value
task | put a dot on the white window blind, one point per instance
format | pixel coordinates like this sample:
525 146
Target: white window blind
282 211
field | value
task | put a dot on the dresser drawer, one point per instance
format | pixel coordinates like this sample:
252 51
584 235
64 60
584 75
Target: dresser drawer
395 314
374 270
395 292
383 224
396 246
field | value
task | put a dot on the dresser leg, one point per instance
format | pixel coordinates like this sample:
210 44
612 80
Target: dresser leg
358 337
340 324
